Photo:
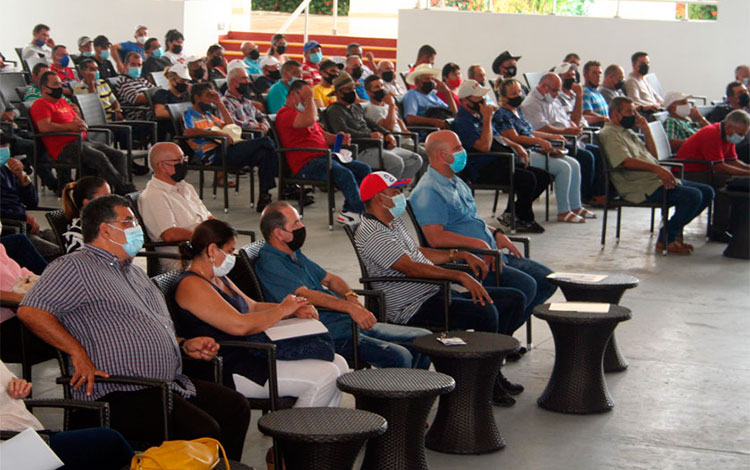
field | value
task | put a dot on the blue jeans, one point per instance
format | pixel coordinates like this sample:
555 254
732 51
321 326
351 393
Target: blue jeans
498 317
99 448
567 173
586 158
256 152
689 199
346 177
384 345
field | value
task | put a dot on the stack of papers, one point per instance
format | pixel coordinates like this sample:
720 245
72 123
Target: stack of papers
295 327
28 451
578 277
584 307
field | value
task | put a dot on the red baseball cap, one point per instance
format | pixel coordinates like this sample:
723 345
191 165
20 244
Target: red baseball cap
377 181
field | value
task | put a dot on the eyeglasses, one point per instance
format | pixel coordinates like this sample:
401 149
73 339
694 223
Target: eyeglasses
128 222
175 161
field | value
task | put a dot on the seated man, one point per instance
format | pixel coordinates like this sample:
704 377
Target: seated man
18 194
643 179
251 57
425 55
388 250
683 120
290 71
447 213
132 86
506 66
313 55
391 82
639 89
101 56
346 116
86 49
121 50
236 99
323 92
82 295
92 83
61 66
41 44
51 113
297 125
595 107
556 117
155 60
738 97
613 84
355 69
742 74
476 72
283 269
716 143
271 70
179 82
197 69
199 120
170 206
383 111
477 133
422 107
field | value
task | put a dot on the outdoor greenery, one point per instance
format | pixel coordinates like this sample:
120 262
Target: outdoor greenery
317 7
564 7
696 12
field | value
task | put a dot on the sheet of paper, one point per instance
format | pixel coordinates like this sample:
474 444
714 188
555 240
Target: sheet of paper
580 277
294 327
588 307
28 451
344 155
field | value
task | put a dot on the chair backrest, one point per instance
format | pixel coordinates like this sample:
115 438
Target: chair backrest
59 224
533 78
286 171
243 273
705 110
653 80
351 230
219 82
133 198
660 116
417 228
32 61
9 82
21 92
92 108
159 79
166 282
114 83
176 113
663 150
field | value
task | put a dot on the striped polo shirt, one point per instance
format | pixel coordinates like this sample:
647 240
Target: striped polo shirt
381 247
203 121
117 314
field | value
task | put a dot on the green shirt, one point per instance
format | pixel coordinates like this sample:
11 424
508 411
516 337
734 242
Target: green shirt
619 144
679 129
33 93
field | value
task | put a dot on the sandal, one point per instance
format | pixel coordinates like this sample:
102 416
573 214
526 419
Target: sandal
585 213
571 218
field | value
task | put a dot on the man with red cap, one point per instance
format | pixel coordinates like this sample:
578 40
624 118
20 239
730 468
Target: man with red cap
388 250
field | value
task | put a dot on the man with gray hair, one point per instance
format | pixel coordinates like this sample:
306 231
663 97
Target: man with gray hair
236 99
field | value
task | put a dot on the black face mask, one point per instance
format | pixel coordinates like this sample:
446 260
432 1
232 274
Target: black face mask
515 102
280 49
329 78
349 97
298 238
627 122
198 73
427 87
181 87
206 107
274 74
472 106
620 85
744 100
511 71
55 93
357 73
643 69
176 48
243 89
180 171
216 61
387 76
568 82
254 54
379 95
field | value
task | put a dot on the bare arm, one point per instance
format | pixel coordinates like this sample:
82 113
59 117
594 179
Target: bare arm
360 315
310 115
484 143
731 169
416 120
115 54
437 236
577 112
161 111
176 234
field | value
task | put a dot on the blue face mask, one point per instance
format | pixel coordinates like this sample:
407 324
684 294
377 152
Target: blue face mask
157 53
104 54
459 161
133 239
134 72
88 54
735 138
4 155
316 57
38 42
399 205
292 80
97 76
64 61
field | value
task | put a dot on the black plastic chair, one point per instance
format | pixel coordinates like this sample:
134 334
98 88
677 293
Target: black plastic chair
9 83
19 346
100 408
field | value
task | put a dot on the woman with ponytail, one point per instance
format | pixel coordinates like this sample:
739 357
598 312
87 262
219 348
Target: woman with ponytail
75 195
210 304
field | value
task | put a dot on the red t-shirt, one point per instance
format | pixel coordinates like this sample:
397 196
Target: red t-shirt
311 137
65 74
443 97
59 113
707 144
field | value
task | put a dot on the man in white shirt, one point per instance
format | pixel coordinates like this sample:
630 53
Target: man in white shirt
41 45
639 89
170 206
391 82
383 110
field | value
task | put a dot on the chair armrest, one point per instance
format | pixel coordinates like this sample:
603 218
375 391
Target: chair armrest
102 408
248 233
16 223
160 244
190 366
680 167
525 242
57 134
157 255
252 134
127 107
9 303
427 129
379 297
304 149
270 351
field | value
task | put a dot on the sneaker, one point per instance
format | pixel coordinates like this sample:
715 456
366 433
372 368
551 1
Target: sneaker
347 218
502 383
529 227
507 220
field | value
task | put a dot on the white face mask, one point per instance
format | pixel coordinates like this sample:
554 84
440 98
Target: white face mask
682 110
226 266
141 39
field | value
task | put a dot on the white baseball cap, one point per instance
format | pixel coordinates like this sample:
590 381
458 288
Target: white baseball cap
471 88
235 64
269 61
564 68
181 70
673 96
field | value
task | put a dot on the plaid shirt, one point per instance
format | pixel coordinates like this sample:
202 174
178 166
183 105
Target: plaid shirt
679 129
594 101
242 111
118 316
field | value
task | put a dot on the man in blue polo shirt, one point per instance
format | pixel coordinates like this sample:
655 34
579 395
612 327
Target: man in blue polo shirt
595 107
121 50
421 103
283 269
447 213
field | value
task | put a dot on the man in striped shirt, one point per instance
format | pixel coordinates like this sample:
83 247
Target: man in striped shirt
107 316
131 88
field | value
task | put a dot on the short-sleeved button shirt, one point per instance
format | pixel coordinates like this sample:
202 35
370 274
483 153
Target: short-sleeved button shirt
437 200
281 275
609 94
203 121
320 92
311 73
709 144
252 66
59 112
242 110
66 74
540 113
468 128
381 246
679 129
594 101
416 102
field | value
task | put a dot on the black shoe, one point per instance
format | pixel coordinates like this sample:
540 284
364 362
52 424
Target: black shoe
529 227
506 385
140 170
719 236
307 200
501 398
263 201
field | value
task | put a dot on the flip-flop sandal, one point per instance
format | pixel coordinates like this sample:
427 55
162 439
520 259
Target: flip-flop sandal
585 213
571 218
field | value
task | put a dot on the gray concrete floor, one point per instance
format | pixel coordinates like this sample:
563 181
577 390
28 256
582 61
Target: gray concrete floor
682 403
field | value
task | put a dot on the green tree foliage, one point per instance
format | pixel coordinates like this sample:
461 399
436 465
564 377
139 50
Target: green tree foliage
317 7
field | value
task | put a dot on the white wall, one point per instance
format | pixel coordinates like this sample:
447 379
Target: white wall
695 57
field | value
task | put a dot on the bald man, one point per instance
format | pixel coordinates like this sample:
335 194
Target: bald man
391 82
169 206
251 58
447 213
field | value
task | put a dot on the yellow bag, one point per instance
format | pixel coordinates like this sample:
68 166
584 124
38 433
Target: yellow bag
199 454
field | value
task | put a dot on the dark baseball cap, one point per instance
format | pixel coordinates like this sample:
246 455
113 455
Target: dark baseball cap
505 55
102 41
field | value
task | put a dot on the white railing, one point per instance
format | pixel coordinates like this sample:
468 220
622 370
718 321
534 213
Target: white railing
305 6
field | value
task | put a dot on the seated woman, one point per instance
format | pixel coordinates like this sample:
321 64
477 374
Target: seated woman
511 124
209 304
75 195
